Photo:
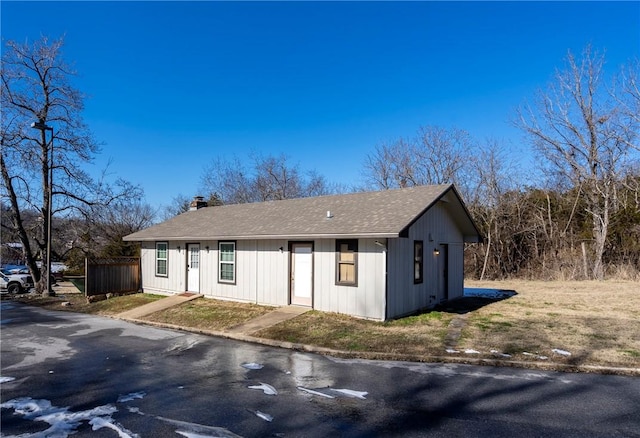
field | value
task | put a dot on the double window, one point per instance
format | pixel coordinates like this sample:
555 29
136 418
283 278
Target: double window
161 258
347 262
418 261
227 262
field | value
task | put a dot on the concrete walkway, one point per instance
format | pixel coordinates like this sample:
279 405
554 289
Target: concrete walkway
272 318
156 306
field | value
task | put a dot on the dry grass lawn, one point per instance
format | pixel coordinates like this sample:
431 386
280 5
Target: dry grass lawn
416 335
77 302
597 322
209 314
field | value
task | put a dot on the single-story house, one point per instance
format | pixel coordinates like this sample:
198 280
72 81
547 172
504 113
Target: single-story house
376 255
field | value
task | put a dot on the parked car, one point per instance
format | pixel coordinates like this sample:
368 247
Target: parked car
15 283
22 269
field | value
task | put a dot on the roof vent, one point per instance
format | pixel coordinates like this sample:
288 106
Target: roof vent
329 214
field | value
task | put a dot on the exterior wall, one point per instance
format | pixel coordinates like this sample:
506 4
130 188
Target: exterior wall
263 271
174 282
367 299
434 228
262 275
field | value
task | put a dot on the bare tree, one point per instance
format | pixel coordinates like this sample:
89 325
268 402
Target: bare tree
579 130
180 204
494 203
627 94
435 156
269 178
36 89
108 224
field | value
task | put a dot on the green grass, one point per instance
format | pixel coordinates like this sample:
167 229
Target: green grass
418 334
209 314
421 319
632 353
76 302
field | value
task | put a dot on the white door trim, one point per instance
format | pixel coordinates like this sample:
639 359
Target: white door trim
301 279
193 267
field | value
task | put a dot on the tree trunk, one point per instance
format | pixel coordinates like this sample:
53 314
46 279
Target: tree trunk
486 255
585 262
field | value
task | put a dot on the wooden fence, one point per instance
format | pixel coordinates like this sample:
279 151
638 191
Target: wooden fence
116 275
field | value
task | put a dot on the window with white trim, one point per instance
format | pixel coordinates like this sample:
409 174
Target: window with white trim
162 255
227 262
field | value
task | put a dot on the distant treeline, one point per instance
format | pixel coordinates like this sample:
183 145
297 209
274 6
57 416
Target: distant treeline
548 235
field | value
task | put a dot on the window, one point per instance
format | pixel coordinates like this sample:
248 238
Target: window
227 262
161 258
418 265
347 262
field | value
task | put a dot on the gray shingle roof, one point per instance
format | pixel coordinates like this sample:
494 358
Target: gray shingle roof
364 214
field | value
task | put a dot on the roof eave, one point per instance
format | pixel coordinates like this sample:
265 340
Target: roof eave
381 235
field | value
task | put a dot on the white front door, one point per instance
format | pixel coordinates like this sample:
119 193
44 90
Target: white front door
302 274
193 267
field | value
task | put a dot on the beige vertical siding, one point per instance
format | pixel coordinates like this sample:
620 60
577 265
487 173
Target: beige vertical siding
262 275
272 267
175 281
261 271
403 296
366 300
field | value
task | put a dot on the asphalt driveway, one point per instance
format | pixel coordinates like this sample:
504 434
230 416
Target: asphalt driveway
70 373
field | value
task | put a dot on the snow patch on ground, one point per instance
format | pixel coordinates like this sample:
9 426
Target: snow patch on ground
131 397
314 392
37 351
63 422
452 370
496 294
351 393
535 355
561 352
266 388
98 423
6 379
264 416
195 430
183 345
252 365
194 435
497 353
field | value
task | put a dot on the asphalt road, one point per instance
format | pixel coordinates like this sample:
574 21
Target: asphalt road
65 373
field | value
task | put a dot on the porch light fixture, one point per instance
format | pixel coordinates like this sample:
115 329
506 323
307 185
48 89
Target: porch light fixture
178 248
207 248
42 127
436 251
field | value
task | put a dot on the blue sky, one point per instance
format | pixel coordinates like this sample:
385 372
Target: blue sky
173 85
